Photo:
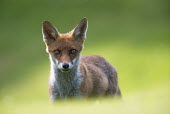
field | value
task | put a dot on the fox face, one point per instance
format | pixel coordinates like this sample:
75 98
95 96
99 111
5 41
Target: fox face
64 49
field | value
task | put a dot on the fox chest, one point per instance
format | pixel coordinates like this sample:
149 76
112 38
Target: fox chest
63 90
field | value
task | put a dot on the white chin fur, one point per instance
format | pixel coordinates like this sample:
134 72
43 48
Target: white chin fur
60 64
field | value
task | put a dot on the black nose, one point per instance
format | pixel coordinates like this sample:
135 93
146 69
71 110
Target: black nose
65 66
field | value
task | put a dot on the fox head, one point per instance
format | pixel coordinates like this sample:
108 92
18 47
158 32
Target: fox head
64 49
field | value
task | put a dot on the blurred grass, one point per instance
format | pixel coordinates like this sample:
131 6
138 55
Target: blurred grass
133 35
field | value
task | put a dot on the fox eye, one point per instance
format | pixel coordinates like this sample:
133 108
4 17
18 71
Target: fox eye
73 51
56 52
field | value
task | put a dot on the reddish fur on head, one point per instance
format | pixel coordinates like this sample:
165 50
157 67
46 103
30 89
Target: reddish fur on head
64 42
65 45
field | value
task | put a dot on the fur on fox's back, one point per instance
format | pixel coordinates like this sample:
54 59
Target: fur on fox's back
99 76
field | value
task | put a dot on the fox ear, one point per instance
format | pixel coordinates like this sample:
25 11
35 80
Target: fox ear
49 32
80 30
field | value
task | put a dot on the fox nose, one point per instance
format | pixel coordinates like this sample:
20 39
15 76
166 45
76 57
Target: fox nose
65 66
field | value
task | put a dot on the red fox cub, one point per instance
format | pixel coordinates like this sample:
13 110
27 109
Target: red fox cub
72 74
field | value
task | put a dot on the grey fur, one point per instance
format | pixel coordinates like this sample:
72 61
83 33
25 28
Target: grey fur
65 84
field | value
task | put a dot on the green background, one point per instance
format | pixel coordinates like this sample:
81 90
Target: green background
133 35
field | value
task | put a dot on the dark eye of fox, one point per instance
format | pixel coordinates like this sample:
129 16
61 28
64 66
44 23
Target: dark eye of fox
73 51
56 52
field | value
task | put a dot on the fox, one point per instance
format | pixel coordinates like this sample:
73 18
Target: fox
73 74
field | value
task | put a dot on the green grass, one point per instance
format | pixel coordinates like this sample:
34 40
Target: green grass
150 101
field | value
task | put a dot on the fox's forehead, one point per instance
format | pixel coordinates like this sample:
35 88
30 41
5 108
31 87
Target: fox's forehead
65 43
66 35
